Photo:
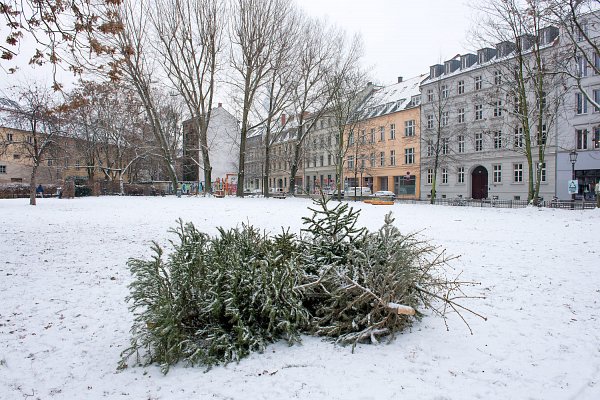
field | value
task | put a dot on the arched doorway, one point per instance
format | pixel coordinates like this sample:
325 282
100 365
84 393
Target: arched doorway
479 183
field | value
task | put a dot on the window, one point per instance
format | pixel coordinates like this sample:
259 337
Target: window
582 32
478 112
461 144
580 104
596 62
461 87
597 100
351 138
498 108
392 131
2 169
77 164
429 94
409 128
497 78
29 139
445 147
321 160
381 134
372 159
50 162
444 92
445 118
363 137
518 173
597 137
518 142
542 135
479 141
392 157
497 173
461 174
429 148
382 159
461 115
497 139
328 159
429 176
430 121
328 140
9 137
362 161
517 103
16 156
582 66
478 82
444 175
409 156
581 139
540 169
350 162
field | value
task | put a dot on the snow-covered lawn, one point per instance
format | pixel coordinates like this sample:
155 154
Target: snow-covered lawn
64 321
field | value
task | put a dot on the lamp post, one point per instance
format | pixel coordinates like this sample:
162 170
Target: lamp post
573 159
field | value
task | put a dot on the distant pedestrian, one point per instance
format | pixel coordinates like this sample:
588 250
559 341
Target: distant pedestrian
40 191
598 194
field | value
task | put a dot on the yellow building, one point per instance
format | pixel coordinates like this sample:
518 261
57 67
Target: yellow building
383 150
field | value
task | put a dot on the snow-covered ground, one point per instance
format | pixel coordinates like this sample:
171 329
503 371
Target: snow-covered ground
64 321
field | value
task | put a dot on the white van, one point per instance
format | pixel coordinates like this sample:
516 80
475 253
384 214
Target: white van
358 191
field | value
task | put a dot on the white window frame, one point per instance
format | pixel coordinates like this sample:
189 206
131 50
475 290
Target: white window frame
461 175
497 173
478 112
409 155
518 173
478 141
409 128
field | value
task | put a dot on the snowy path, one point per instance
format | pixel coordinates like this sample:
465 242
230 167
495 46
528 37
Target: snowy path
64 322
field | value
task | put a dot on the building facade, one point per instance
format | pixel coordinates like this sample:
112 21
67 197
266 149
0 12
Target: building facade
473 138
223 147
382 142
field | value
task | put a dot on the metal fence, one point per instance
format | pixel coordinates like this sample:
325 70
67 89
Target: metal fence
496 203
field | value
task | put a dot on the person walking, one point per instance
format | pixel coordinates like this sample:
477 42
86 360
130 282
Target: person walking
597 190
40 190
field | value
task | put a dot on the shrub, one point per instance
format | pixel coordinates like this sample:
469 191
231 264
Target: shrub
215 300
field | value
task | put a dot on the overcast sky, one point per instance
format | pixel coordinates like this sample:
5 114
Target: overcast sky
401 37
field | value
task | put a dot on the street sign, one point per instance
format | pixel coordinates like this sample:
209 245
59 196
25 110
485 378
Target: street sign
573 187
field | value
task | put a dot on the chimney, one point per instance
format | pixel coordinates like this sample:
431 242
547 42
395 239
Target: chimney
282 119
399 79
220 105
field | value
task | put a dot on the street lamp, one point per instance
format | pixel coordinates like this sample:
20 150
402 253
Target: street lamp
573 159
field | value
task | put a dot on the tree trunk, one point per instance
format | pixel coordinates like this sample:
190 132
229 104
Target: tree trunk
32 186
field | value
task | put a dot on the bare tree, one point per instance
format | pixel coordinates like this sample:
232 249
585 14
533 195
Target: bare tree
135 62
580 22
189 41
343 84
255 25
323 50
35 111
529 78
63 32
437 132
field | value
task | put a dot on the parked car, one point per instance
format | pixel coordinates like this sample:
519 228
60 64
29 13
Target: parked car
358 191
386 194
334 193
